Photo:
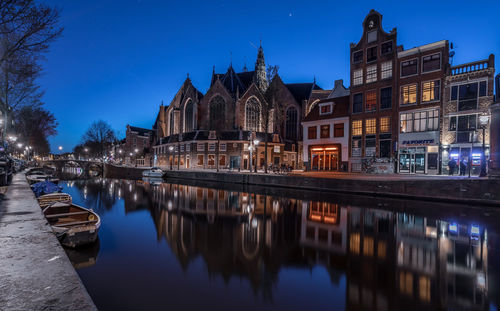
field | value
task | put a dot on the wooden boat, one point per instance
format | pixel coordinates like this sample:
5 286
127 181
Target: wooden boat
48 199
73 225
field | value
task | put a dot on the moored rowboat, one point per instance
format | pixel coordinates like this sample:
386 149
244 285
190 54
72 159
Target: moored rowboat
73 225
48 199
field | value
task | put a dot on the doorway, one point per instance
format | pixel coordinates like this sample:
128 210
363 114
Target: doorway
412 160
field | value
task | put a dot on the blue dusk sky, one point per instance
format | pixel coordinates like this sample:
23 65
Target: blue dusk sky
117 60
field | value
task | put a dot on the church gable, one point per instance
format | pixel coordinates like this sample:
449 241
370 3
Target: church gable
246 110
216 95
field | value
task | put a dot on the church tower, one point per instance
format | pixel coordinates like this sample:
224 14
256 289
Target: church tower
260 78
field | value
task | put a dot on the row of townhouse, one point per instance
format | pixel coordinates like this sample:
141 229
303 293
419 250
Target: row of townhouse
409 111
406 111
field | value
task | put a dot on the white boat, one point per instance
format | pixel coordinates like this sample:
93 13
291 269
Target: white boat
51 198
33 179
153 172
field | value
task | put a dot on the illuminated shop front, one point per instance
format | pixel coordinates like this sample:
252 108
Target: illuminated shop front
471 154
418 153
325 158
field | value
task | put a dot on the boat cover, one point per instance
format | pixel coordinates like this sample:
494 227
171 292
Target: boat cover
45 187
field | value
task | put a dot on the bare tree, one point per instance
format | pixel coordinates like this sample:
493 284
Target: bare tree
35 125
99 136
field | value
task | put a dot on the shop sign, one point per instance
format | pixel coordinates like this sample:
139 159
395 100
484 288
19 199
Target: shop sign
418 142
277 149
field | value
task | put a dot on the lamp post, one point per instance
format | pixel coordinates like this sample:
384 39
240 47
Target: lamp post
251 157
484 119
256 142
171 157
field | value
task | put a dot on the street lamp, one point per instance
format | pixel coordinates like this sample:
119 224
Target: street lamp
484 119
60 148
256 143
171 157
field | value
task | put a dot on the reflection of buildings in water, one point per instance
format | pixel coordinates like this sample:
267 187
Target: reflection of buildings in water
236 233
441 264
370 271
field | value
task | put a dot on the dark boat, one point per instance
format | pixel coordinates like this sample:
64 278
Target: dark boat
73 225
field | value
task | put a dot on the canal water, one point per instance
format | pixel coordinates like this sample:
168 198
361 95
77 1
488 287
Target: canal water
195 245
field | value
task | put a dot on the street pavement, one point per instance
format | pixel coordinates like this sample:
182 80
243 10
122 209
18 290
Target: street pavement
35 272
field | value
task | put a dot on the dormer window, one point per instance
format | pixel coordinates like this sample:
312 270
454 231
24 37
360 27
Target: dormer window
211 135
325 109
371 36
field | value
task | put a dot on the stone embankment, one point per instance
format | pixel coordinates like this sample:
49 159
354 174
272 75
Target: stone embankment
456 190
35 273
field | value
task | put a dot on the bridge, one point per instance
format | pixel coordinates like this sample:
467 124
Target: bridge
86 166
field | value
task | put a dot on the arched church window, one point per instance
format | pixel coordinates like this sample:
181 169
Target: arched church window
291 123
171 123
217 108
252 114
188 116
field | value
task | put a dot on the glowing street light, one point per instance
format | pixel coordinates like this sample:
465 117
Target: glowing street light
60 148
19 145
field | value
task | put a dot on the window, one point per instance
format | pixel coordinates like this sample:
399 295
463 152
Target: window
371 101
371 126
406 125
431 62
222 162
430 91
182 148
409 67
356 147
385 148
386 70
357 127
454 92
453 123
200 147
211 159
433 120
252 114
467 96
371 36
291 123
325 109
385 125
325 131
188 147
419 121
386 98
386 47
467 123
200 159
211 147
357 103
370 145
222 147
338 130
357 57
409 94
482 88
188 116
371 54
371 73
217 113
357 77
311 132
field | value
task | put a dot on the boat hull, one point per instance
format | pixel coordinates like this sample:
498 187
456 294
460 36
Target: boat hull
76 237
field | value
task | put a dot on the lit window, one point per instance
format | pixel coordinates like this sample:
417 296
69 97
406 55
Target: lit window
406 283
386 70
424 285
419 121
371 101
409 94
385 124
368 246
354 242
357 77
371 74
357 127
371 126
406 125
430 90
433 120
211 159
200 159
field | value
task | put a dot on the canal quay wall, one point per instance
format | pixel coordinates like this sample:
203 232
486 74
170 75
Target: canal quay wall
464 191
35 272
122 172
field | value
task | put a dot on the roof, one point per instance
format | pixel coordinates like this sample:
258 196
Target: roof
423 48
233 81
140 131
340 109
201 135
302 91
